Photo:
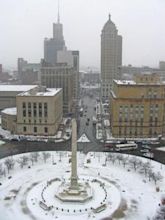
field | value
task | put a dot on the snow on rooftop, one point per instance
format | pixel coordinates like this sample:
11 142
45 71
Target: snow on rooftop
125 82
10 111
47 92
15 88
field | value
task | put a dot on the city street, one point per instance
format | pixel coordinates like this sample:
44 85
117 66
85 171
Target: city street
86 126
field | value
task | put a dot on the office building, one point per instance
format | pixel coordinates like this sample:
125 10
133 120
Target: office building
111 57
55 44
38 112
138 107
60 76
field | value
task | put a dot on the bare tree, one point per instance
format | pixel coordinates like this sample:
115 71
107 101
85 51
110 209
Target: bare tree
135 162
157 177
150 174
46 156
9 162
1 170
146 167
113 159
124 161
23 161
119 157
35 156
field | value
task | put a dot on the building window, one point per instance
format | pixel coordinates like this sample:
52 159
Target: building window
29 113
34 112
24 113
46 130
35 129
40 109
24 128
23 105
29 105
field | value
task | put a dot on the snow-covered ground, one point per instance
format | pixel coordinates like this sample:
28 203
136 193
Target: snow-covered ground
130 187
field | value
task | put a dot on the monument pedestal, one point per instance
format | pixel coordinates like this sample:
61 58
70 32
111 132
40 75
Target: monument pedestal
82 193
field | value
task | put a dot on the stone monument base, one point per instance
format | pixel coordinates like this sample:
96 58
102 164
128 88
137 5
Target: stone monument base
82 193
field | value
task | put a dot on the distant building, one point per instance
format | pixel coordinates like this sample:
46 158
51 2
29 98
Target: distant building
60 68
138 107
71 58
28 73
0 68
60 76
38 112
111 57
162 65
4 76
55 44
91 77
8 94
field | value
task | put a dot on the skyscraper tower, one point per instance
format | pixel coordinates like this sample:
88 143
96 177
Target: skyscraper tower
111 56
55 44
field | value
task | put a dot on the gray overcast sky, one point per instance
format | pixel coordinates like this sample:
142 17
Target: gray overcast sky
25 23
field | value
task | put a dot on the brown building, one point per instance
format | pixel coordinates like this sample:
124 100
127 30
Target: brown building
138 107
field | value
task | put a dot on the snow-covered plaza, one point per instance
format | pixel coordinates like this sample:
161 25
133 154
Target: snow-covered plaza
123 186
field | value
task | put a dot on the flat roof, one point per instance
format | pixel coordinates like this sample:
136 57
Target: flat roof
47 92
16 88
132 82
125 82
10 111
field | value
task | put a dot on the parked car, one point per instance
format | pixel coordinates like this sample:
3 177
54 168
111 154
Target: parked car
149 155
146 147
144 150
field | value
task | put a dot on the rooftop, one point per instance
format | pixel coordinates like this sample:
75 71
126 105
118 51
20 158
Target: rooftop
15 88
132 82
10 111
41 92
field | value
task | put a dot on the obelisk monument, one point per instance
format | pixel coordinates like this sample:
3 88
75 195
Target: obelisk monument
74 178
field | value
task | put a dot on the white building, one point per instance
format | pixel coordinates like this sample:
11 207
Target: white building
38 112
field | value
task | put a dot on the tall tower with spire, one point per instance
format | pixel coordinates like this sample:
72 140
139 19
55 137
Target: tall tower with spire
111 56
55 44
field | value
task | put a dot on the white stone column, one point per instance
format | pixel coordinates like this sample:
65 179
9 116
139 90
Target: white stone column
74 177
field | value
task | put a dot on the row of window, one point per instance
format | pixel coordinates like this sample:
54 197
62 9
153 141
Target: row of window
37 109
35 130
139 121
136 132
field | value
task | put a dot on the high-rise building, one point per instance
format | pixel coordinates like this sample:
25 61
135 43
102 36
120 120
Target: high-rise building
0 68
60 76
162 65
55 44
28 73
71 58
138 107
111 57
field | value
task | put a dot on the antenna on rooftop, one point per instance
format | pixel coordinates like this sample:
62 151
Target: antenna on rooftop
58 16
